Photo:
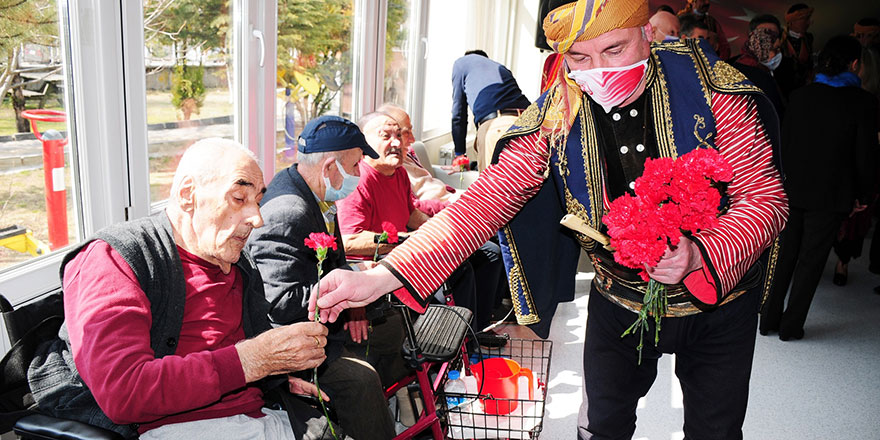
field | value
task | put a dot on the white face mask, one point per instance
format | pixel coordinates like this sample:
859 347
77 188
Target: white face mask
773 63
349 184
611 86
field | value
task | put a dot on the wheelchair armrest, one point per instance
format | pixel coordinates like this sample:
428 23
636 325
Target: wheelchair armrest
41 426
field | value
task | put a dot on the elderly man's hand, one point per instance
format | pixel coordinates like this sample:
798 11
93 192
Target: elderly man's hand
343 289
286 349
357 325
677 263
302 387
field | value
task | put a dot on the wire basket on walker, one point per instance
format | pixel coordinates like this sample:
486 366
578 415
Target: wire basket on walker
505 392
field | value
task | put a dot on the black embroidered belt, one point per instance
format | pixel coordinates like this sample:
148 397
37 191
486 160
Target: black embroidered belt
624 287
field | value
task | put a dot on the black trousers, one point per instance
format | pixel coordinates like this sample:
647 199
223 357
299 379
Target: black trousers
713 350
806 244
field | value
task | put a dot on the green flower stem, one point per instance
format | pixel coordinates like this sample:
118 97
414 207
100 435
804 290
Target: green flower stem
323 407
318 319
655 304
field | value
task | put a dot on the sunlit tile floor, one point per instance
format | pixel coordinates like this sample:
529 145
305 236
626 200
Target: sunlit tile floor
824 386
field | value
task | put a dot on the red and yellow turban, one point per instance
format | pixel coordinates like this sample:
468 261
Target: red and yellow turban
587 19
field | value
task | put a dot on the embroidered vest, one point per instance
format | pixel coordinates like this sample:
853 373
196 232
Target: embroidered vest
541 256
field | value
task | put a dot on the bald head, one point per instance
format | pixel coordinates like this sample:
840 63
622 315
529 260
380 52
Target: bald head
665 25
215 200
211 159
383 134
403 120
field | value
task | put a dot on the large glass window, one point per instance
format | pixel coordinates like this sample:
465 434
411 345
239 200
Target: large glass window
314 67
189 77
400 34
38 211
444 47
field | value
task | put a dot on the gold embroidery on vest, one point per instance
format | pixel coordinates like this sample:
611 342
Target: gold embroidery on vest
662 114
699 125
518 283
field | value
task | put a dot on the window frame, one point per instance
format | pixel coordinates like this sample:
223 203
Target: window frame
105 80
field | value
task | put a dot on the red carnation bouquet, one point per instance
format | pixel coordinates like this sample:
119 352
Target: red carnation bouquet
320 242
672 197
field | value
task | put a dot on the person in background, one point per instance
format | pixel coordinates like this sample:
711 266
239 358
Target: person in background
666 26
761 55
494 97
299 201
797 45
384 195
830 148
167 323
700 9
431 194
616 87
869 73
867 31
665 8
693 28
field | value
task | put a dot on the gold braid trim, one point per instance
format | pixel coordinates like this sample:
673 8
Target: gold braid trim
517 282
771 271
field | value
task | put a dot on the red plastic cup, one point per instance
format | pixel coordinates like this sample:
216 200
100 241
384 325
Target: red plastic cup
500 384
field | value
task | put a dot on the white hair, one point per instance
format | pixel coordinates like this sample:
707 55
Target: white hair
200 160
312 159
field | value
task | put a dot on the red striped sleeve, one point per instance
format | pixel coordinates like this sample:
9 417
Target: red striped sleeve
758 205
424 260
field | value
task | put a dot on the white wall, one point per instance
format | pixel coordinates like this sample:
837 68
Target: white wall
505 29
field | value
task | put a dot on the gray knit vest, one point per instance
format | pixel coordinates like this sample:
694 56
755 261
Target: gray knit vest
148 246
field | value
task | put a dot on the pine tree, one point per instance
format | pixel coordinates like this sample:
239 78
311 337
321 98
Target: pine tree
21 22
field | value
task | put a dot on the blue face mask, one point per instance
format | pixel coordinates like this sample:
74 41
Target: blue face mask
349 184
773 63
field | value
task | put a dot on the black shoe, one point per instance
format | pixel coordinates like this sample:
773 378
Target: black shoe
796 336
839 279
764 328
877 290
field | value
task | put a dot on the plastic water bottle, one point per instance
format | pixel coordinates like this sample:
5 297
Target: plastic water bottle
457 386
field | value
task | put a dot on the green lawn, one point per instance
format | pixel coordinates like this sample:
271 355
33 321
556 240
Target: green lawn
159 109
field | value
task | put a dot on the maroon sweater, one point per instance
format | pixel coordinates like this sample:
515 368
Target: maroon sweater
108 319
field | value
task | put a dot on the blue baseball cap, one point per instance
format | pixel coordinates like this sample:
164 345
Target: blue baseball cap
332 133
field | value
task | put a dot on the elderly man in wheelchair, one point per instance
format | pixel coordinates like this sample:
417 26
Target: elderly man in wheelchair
166 331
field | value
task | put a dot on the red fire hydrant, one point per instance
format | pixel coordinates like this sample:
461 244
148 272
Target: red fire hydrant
53 173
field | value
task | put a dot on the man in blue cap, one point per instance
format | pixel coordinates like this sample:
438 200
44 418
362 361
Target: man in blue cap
301 200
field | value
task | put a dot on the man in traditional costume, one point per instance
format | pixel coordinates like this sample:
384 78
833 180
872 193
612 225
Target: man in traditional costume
797 46
700 9
618 102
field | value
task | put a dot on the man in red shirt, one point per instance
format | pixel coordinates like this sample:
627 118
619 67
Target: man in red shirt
384 194
166 321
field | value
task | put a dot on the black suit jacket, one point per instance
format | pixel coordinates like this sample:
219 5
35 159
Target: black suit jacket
829 147
288 267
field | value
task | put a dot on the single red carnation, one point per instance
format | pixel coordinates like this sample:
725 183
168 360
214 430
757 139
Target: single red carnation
391 231
319 240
